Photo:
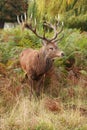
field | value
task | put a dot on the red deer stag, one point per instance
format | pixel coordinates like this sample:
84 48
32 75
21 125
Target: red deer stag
36 63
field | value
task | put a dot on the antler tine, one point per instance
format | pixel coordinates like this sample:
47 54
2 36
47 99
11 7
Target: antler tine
59 33
31 17
18 20
58 20
35 22
44 32
49 25
59 39
60 30
44 29
25 16
22 19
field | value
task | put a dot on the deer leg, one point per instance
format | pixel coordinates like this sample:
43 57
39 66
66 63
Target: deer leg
31 86
39 88
42 85
24 79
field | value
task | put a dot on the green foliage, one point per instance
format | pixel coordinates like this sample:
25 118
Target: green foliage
29 41
72 12
8 52
32 9
50 8
74 46
79 21
13 41
76 15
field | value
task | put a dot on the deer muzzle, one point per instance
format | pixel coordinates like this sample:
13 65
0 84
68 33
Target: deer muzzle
60 54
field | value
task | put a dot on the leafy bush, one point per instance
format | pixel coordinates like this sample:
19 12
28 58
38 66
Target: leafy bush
75 46
79 22
29 41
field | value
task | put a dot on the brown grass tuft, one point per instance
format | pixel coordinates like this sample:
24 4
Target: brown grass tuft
53 105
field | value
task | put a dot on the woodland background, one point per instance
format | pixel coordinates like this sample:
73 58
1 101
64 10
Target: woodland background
64 102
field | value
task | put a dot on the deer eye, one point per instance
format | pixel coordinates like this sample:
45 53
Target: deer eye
51 48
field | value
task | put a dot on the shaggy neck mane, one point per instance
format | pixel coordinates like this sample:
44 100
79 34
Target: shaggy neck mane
43 65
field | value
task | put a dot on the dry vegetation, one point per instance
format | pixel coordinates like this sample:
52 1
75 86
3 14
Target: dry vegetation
63 105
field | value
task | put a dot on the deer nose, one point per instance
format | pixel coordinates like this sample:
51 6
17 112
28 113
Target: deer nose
62 54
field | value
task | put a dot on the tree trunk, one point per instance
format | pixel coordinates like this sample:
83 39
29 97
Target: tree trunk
1 24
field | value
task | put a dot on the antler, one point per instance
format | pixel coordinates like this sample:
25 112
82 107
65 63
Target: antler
56 33
24 24
23 21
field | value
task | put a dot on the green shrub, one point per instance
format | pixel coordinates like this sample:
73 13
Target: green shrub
79 22
75 46
29 41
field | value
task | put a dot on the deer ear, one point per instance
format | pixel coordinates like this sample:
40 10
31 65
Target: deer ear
44 42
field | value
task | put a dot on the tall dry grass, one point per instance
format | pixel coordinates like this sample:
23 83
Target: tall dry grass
38 115
66 111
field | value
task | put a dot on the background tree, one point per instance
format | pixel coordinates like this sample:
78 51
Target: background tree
53 7
73 12
10 8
